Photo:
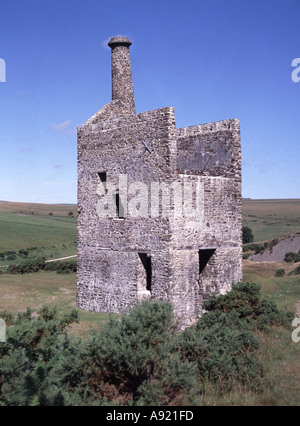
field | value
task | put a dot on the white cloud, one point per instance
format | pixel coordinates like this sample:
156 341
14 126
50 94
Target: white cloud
65 127
61 126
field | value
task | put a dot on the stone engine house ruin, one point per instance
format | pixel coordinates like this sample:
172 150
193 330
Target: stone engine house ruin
137 238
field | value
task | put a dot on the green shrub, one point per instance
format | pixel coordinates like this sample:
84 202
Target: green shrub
257 248
245 300
133 354
23 253
39 264
138 358
291 257
11 257
225 351
247 235
280 272
62 267
28 360
295 271
246 255
9 252
28 266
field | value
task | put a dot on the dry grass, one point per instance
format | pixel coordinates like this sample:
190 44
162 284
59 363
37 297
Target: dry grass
17 292
39 209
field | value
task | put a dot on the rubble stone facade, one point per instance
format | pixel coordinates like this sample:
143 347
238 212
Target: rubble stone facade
136 241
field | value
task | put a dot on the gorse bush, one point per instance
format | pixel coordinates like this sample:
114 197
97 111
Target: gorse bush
291 257
61 267
39 264
33 348
135 351
245 300
280 272
295 271
257 248
27 266
224 350
138 358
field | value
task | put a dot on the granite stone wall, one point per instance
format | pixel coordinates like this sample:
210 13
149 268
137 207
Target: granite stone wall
159 208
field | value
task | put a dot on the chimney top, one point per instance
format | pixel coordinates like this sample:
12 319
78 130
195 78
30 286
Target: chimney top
119 41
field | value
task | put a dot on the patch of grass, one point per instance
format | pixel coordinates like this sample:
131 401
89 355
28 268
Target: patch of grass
284 291
17 292
18 232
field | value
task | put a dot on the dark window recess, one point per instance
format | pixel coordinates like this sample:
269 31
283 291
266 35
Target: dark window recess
102 177
204 257
146 261
119 206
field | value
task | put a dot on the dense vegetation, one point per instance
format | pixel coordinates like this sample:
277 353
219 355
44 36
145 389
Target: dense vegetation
137 359
247 235
39 264
291 257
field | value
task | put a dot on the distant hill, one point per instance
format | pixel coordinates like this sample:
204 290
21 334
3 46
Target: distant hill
38 209
268 219
271 219
277 252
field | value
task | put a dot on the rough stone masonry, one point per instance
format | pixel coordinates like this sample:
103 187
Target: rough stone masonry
159 208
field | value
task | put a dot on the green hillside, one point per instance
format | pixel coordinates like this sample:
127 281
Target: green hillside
271 219
49 228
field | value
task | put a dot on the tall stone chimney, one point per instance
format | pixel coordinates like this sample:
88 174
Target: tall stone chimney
122 87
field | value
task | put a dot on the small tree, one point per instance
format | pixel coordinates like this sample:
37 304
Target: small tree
71 214
247 235
280 272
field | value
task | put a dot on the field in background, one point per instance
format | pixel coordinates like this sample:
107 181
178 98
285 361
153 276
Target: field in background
25 225
38 209
271 219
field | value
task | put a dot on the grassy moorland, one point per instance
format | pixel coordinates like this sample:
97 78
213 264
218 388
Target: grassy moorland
37 209
54 235
44 288
38 225
271 219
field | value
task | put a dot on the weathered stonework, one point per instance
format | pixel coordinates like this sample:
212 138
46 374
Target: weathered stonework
169 257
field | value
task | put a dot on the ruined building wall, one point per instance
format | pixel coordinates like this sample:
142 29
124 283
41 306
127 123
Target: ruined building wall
208 246
177 257
108 248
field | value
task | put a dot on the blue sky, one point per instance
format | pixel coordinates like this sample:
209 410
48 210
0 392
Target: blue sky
210 59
